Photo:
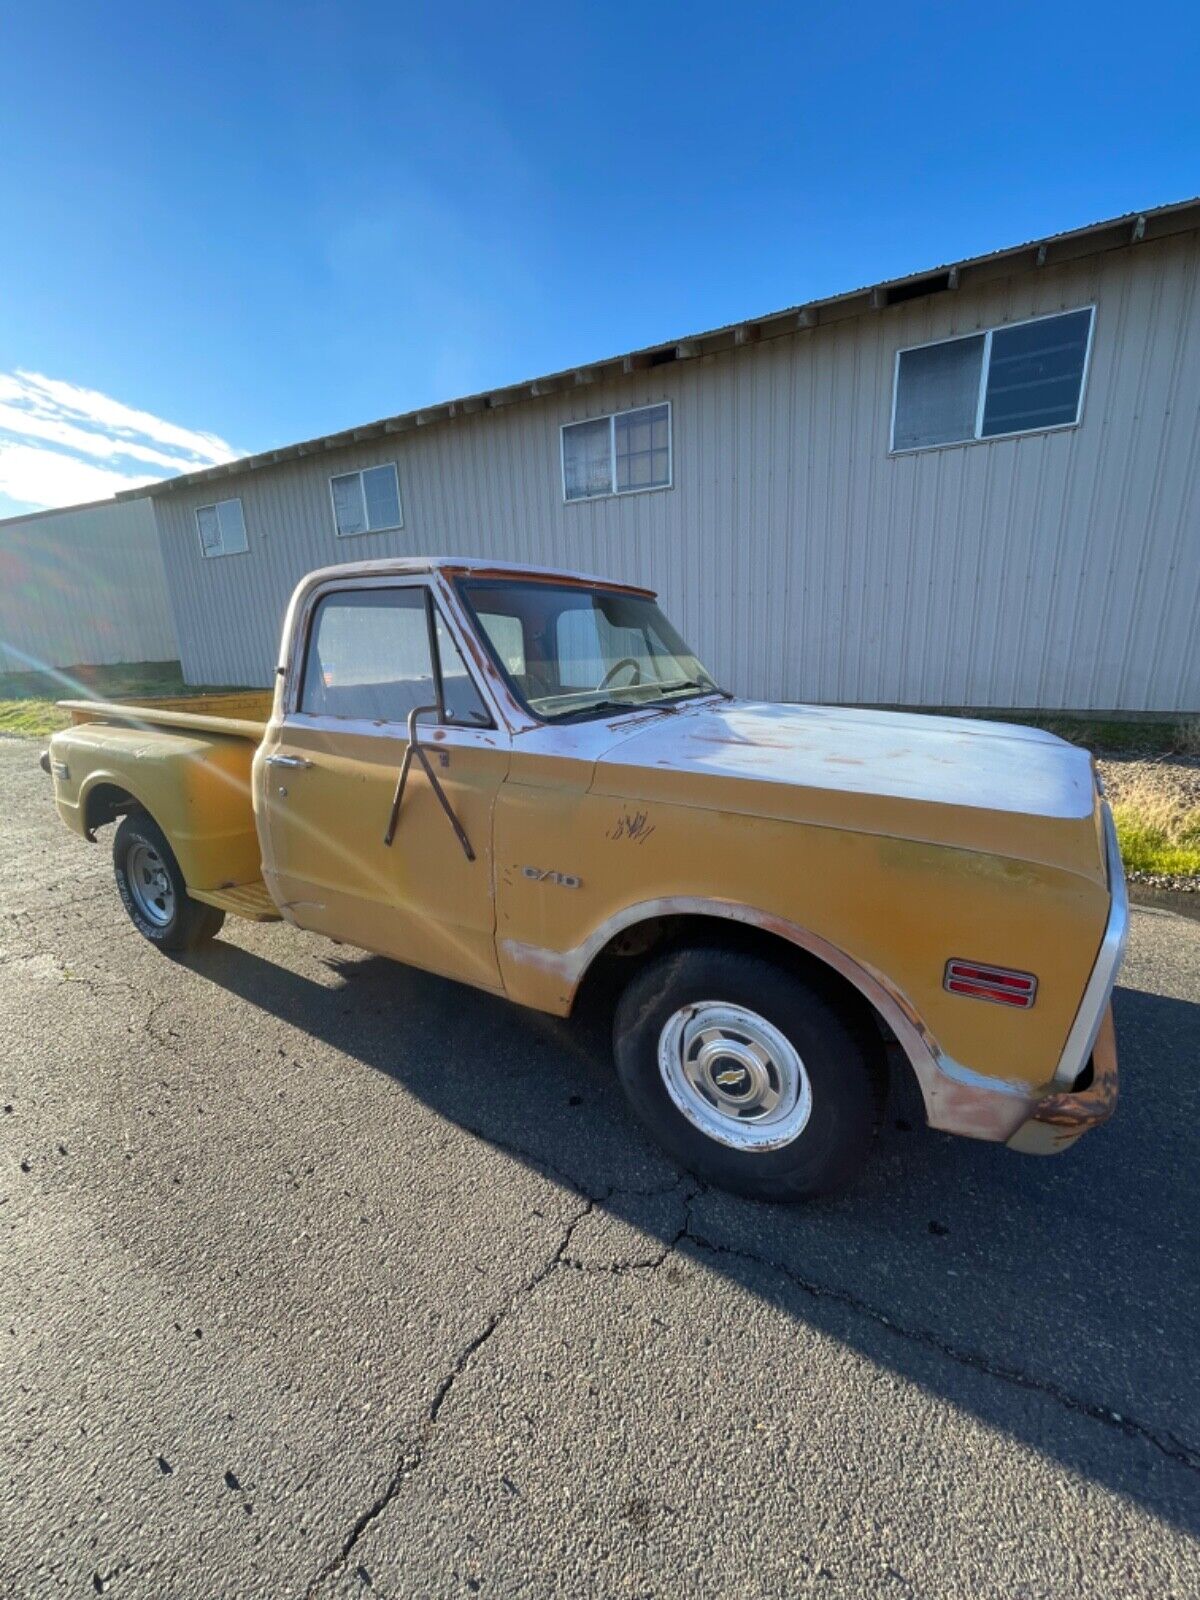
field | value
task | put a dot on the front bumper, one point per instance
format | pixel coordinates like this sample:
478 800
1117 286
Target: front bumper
1058 1120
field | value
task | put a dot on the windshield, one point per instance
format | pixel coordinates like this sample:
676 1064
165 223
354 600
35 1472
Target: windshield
569 651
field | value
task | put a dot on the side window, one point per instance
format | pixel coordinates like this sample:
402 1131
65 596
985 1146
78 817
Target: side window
369 660
368 656
460 697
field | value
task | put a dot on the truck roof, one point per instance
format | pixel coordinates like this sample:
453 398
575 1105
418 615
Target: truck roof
469 566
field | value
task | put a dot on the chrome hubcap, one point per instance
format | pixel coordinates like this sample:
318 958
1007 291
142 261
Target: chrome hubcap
734 1076
150 884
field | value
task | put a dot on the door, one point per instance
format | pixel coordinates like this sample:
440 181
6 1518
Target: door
369 655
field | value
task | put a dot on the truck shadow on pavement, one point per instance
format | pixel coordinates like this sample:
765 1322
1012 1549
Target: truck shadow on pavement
1056 1300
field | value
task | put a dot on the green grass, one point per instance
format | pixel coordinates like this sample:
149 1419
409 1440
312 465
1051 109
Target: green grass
31 719
1158 840
27 699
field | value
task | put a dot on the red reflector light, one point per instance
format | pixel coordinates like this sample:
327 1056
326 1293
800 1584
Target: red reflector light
999 984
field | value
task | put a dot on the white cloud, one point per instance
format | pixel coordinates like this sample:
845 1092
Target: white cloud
92 406
25 424
45 478
54 434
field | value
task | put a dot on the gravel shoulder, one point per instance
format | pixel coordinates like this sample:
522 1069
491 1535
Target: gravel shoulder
1174 780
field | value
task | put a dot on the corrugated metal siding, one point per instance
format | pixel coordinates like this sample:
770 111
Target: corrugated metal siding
1058 570
84 586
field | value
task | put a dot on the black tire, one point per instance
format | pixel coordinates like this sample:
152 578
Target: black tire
843 1076
180 923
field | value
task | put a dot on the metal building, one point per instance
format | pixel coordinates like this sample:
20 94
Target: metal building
978 486
83 585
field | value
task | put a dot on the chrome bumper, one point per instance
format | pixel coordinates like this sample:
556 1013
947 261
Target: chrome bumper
1094 1005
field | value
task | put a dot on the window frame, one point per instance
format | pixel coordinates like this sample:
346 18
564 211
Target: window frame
357 472
612 492
979 437
214 505
298 665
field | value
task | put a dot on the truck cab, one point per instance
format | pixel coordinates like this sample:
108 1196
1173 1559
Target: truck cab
521 778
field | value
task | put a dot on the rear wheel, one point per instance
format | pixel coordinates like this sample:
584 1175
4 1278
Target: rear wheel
153 891
748 1075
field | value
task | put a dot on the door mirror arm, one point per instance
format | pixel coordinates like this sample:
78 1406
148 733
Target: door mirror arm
415 748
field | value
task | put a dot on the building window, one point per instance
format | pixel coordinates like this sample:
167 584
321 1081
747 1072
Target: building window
620 454
367 501
1021 378
222 528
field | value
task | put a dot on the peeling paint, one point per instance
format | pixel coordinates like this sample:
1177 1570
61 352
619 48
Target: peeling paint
982 765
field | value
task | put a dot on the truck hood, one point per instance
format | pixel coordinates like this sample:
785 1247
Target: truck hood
981 785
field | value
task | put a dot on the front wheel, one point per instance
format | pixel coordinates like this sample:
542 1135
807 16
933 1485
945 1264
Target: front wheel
152 889
748 1075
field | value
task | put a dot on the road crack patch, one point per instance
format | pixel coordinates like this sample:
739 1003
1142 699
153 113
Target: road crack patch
412 1460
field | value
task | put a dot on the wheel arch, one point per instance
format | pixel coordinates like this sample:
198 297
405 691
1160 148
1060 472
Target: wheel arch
104 798
639 928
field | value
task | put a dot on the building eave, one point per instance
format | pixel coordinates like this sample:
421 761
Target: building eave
1097 238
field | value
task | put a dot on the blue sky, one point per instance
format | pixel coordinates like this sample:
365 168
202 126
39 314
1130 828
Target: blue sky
223 228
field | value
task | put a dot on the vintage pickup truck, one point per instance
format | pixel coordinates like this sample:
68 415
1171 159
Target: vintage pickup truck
525 780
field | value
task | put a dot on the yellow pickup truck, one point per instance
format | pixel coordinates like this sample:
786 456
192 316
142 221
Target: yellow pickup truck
525 780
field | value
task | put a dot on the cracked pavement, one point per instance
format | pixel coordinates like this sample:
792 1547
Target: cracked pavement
322 1277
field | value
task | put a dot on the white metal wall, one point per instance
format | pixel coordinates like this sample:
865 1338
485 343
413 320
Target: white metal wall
83 586
1058 570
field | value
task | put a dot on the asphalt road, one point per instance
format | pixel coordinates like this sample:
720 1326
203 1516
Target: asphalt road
319 1276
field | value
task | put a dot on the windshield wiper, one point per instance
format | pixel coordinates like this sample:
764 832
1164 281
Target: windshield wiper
596 705
694 683
655 702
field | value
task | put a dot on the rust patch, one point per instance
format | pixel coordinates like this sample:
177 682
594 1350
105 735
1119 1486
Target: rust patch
1074 1112
560 580
635 826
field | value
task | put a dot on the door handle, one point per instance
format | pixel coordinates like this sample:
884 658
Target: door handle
287 761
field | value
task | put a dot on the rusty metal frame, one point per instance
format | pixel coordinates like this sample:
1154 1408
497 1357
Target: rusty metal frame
415 747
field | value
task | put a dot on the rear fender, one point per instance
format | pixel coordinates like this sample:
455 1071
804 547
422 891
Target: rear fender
197 789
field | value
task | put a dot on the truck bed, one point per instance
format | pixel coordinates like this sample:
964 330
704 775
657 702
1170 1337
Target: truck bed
243 713
186 761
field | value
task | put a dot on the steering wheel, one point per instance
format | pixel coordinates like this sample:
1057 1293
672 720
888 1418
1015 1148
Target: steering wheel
625 661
